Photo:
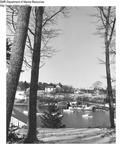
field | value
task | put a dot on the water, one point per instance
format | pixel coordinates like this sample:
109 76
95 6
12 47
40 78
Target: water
76 119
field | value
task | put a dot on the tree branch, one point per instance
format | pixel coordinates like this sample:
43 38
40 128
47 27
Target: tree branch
53 16
112 30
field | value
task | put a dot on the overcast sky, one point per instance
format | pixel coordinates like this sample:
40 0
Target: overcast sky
76 63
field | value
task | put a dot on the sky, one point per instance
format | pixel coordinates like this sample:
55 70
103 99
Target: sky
76 62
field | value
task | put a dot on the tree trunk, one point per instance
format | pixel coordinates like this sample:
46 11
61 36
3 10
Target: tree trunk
109 88
31 135
16 60
108 74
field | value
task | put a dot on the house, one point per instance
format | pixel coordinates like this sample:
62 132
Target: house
18 118
40 92
50 88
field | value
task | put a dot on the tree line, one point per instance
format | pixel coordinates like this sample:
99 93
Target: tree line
59 88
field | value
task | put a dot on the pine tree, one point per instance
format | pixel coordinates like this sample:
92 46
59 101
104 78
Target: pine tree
52 117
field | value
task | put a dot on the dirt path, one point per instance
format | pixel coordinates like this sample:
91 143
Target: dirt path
75 136
70 135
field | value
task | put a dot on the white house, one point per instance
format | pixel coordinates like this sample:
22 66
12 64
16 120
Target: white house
49 89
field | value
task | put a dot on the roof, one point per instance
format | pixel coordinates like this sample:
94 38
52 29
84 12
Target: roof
19 115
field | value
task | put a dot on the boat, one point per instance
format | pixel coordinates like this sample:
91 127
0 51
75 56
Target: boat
87 116
90 108
70 109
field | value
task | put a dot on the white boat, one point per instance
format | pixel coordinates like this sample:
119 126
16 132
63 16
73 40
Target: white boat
91 108
87 116
68 110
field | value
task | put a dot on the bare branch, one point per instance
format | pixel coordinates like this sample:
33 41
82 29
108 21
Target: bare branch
112 30
101 61
42 65
31 31
102 10
52 16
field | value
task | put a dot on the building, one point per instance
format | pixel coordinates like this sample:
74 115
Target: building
18 118
50 88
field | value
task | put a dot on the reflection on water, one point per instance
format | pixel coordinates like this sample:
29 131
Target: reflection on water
77 119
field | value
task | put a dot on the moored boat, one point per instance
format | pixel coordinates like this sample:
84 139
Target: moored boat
87 116
90 108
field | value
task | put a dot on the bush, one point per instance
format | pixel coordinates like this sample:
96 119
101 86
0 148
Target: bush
52 118
12 135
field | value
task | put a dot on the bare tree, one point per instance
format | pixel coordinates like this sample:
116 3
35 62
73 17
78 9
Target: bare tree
16 58
38 34
31 136
36 51
106 20
97 85
49 31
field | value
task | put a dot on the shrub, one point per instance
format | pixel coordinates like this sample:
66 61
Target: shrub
52 118
12 135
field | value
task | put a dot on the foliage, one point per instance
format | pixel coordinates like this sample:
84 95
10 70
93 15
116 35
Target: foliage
58 98
67 89
23 85
52 118
42 86
97 85
106 100
12 135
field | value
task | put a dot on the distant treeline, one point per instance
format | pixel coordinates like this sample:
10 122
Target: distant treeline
62 88
41 86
